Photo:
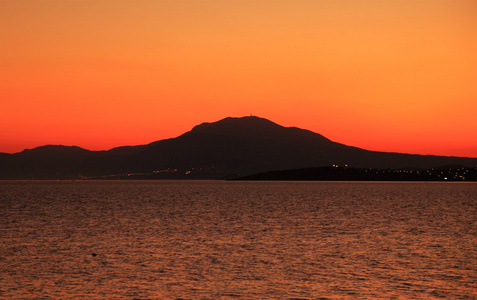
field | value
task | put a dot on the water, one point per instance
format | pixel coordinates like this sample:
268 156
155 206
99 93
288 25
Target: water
237 240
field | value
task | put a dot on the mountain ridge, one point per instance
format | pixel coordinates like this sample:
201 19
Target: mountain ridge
222 149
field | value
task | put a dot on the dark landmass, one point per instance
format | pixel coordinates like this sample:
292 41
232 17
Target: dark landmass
363 174
229 148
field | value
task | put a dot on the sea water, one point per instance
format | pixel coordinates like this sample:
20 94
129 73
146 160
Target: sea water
237 240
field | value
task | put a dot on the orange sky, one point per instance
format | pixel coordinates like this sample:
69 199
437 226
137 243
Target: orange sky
382 75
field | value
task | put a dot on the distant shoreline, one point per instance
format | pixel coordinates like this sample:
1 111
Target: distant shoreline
336 173
329 173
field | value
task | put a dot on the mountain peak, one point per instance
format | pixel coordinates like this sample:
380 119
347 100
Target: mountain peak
245 122
250 128
254 129
55 150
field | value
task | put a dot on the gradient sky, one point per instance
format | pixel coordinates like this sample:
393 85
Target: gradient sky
395 75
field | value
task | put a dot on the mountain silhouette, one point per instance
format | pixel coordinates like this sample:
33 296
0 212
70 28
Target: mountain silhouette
228 148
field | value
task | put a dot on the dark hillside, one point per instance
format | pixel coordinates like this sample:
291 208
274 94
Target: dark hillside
228 148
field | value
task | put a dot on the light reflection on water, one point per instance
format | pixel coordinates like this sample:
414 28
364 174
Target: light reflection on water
214 239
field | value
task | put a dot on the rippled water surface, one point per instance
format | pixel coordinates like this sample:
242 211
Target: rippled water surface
242 240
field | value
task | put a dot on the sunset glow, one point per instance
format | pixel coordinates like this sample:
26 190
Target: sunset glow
396 76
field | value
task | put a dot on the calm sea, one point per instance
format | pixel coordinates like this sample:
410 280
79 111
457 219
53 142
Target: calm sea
237 240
